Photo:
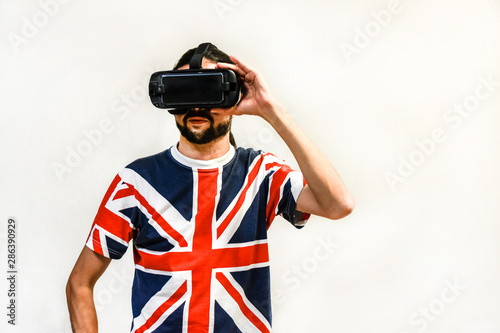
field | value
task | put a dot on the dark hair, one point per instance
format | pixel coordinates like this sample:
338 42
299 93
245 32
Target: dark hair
213 54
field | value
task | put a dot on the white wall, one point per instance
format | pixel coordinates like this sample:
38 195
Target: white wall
420 253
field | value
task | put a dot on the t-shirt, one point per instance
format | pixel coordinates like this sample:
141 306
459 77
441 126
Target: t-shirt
199 231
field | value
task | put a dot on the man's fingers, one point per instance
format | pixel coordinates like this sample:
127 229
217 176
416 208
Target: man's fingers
239 67
241 64
235 68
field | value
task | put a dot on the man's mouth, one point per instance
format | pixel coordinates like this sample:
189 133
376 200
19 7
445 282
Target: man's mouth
197 120
198 117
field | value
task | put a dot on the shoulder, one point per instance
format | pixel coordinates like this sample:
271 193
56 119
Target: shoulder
159 170
250 156
148 162
150 166
247 153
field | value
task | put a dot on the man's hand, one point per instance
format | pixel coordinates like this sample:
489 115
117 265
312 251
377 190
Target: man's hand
257 98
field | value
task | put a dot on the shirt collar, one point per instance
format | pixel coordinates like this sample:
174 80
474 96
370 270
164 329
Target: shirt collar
202 164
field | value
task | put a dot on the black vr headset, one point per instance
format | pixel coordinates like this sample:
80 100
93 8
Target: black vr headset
180 90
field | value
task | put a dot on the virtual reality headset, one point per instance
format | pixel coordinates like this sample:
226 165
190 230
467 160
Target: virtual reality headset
180 90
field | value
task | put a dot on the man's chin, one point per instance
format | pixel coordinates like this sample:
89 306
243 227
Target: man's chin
205 133
198 128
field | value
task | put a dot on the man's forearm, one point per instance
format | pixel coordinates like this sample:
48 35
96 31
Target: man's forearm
81 309
331 195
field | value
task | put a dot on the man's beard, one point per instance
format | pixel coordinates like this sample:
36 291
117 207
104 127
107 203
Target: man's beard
210 134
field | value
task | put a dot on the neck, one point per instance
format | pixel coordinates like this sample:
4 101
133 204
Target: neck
209 151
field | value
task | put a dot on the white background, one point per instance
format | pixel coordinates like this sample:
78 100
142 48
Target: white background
69 67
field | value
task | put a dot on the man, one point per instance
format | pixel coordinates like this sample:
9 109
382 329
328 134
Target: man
198 215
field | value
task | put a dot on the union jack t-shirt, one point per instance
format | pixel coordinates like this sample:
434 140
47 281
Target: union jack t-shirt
199 231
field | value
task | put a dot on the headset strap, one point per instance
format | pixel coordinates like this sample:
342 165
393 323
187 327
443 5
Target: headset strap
197 58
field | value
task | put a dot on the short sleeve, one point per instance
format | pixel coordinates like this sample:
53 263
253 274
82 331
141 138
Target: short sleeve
285 185
112 230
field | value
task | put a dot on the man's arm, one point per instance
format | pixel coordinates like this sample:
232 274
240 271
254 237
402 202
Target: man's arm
80 290
325 194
